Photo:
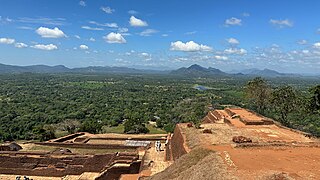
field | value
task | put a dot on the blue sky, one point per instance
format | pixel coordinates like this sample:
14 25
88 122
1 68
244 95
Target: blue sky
230 34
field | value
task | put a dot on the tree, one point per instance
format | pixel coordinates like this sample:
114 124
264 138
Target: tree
44 133
314 102
91 126
258 92
284 101
130 128
134 124
70 125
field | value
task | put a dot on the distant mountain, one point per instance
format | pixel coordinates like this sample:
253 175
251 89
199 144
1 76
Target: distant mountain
106 69
262 73
33 69
198 71
62 69
192 71
268 73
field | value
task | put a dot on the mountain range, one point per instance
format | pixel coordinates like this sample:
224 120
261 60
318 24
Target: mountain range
192 71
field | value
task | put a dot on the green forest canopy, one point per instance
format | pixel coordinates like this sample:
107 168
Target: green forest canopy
33 106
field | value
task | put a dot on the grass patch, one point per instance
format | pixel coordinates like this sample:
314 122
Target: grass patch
154 130
120 129
60 133
40 148
115 129
98 151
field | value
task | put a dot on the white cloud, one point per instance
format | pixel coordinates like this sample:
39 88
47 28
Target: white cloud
316 45
20 45
165 35
190 33
235 51
233 22
233 41
110 25
6 41
303 42
217 57
148 32
83 47
48 47
82 3
92 28
5 20
50 33
92 39
77 36
114 38
107 10
132 12
189 46
144 54
281 23
245 14
305 51
43 20
25 28
282 59
123 30
137 22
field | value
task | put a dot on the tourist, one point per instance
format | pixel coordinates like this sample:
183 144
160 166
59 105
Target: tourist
159 147
156 145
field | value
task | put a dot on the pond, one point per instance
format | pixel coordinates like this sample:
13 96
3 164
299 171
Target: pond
200 88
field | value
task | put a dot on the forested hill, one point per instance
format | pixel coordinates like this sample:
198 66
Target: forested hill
196 70
33 69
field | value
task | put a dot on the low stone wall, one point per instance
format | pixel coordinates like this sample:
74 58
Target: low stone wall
86 146
53 166
229 112
124 138
262 122
68 137
20 153
114 172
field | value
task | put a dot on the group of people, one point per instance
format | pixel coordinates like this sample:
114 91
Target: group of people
24 178
158 146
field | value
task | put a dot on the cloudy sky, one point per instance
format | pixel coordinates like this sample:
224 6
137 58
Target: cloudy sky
230 34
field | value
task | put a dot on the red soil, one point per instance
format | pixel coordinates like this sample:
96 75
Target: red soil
298 162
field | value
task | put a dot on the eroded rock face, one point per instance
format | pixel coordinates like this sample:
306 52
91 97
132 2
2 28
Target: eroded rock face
241 139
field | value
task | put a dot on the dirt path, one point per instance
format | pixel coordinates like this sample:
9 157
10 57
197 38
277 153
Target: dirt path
156 159
154 163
